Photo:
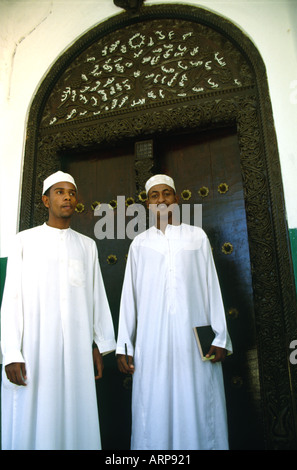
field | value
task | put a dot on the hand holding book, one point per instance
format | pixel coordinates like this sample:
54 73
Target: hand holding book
204 337
216 354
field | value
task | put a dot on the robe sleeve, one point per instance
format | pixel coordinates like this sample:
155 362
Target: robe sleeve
216 307
128 311
103 330
12 321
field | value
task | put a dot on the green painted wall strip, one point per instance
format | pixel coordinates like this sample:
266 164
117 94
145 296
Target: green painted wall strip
3 262
293 240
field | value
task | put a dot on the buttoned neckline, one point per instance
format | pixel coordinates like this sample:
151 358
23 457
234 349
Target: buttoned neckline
59 231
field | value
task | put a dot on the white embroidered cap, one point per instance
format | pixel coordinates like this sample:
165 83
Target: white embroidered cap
57 177
159 179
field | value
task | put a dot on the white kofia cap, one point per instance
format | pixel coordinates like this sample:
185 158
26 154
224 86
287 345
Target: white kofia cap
159 179
57 177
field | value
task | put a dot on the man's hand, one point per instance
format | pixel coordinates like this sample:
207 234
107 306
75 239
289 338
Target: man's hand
16 373
219 353
124 367
98 363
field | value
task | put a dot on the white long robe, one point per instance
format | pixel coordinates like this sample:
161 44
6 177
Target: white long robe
170 286
54 306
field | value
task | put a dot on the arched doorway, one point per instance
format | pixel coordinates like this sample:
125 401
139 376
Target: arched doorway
181 89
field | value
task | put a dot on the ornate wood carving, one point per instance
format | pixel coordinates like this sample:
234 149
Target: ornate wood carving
144 163
145 65
174 67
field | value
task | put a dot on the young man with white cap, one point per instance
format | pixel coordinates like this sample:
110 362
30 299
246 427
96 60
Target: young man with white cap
170 287
54 309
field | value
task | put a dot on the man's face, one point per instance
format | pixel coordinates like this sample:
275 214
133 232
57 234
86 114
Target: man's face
61 200
160 197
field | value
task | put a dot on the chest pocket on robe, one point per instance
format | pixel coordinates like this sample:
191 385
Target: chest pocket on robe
77 275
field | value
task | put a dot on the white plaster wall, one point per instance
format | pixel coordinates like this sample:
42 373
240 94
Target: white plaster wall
33 34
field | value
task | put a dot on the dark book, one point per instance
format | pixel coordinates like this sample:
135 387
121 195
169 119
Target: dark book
204 337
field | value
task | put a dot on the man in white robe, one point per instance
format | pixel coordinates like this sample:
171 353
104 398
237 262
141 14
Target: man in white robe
54 310
171 286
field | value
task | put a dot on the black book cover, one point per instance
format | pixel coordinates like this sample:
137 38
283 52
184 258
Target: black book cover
204 337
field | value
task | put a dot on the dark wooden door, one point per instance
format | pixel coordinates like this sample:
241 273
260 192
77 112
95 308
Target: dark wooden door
206 169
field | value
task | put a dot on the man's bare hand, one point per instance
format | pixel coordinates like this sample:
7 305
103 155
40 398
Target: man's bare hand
98 363
219 353
124 367
16 373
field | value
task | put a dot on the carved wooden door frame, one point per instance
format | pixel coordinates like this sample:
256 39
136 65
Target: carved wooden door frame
237 94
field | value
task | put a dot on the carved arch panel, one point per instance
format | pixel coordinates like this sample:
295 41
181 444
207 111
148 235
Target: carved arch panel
166 69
